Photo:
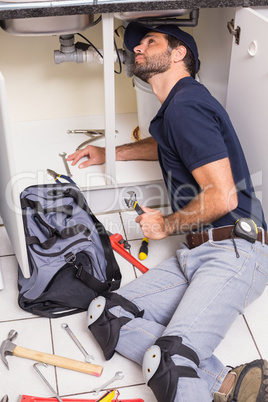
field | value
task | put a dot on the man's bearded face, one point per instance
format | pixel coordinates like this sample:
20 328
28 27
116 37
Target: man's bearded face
152 65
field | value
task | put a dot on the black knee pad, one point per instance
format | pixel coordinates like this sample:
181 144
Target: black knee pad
159 370
104 325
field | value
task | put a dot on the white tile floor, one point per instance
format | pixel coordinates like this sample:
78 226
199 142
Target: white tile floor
246 340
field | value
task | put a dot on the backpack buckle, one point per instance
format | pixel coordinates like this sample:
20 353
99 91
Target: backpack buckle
70 258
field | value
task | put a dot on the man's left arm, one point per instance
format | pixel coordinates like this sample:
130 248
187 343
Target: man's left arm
217 197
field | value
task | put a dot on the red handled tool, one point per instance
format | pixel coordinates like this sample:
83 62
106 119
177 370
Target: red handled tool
27 398
118 245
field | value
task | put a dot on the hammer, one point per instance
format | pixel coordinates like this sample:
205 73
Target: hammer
132 202
9 348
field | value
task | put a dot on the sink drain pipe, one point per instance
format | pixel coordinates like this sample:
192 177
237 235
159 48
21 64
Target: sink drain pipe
71 52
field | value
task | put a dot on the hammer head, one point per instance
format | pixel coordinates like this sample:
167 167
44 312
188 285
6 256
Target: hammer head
7 347
130 202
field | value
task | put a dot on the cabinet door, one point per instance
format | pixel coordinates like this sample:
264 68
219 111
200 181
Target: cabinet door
9 204
247 96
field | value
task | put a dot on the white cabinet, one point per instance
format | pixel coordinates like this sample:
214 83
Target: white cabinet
237 75
247 96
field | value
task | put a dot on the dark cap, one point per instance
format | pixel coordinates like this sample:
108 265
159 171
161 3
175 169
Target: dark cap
135 31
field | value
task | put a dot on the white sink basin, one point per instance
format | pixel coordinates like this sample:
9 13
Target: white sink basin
58 25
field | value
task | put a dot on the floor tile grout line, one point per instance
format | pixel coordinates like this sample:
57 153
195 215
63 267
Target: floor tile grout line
123 226
21 319
7 255
53 351
252 336
125 235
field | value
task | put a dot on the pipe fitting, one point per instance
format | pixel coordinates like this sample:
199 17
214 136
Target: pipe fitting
75 56
67 43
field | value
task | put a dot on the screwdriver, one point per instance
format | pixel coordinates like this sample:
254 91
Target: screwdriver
109 396
143 253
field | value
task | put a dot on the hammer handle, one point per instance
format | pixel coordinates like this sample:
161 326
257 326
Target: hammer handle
58 361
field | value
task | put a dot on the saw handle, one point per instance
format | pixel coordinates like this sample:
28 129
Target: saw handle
58 361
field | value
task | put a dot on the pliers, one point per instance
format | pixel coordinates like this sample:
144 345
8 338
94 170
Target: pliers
56 176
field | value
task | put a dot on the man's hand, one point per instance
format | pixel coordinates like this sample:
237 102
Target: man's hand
152 223
217 197
96 156
145 149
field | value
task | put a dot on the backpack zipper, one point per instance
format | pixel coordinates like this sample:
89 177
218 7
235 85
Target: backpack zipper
62 251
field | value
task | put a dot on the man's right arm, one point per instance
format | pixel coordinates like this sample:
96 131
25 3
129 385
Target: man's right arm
145 149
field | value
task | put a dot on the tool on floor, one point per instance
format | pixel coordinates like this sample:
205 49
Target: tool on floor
9 348
63 155
88 357
132 202
56 176
4 399
118 245
28 398
118 376
45 380
143 252
109 396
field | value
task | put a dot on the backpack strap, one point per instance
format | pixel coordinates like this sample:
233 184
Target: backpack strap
112 271
51 232
66 233
36 206
93 282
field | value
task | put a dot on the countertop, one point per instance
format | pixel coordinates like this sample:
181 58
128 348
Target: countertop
70 7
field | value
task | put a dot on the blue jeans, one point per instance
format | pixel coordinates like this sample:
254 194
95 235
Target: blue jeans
196 295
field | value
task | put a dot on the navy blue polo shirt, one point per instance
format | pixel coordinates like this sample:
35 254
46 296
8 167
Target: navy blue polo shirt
193 129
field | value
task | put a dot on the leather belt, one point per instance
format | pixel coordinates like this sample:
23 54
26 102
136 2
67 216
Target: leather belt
223 233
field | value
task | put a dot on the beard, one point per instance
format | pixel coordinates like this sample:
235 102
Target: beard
152 65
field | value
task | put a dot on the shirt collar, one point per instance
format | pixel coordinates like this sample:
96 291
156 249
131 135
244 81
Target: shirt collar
179 85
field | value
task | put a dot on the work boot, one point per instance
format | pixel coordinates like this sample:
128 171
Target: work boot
251 384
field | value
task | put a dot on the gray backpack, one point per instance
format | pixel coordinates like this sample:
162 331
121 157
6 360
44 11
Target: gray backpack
69 252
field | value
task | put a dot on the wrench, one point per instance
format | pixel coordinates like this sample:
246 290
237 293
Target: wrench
45 380
118 376
63 155
88 357
132 202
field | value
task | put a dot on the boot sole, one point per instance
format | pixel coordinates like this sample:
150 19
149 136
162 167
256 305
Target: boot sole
263 394
263 391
